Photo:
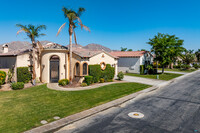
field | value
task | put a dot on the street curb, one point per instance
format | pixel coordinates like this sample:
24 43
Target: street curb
53 126
50 127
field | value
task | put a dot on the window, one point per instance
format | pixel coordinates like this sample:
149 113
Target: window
77 69
85 69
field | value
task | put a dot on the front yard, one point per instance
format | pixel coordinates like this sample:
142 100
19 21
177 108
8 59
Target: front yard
165 76
24 109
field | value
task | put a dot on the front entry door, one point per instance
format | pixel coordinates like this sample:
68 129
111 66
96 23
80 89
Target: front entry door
54 71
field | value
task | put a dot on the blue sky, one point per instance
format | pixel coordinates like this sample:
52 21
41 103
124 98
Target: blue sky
113 23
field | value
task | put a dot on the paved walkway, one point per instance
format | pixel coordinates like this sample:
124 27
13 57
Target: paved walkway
55 86
153 82
174 72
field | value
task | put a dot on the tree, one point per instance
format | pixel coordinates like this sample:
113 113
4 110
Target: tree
166 48
123 49
188 56
32 32
197 53
130 50
143 50
74 20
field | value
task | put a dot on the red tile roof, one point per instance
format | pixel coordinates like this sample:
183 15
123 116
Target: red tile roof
128 53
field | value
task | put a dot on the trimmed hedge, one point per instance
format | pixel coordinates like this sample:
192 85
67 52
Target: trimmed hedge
2 76
88 80
108 73
142 69
102 80
17 85
95 71
63 82
1 83
23 74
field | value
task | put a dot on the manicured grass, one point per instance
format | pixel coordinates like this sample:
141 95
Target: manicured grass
165 76
178 70
24 109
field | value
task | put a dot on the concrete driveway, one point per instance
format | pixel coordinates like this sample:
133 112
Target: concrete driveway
172 109
153 82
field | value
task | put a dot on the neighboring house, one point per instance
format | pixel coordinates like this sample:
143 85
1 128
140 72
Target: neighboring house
130 61
53 61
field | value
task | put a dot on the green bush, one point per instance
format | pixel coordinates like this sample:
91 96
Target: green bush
108 73
120 75
88 80
142 69
95 71
102 80
2 76
196 66
83 84
17 85
23 74
185 66
63 82
110 80
1 83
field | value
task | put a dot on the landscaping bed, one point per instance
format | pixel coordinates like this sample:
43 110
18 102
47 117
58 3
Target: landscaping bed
22 110
165 76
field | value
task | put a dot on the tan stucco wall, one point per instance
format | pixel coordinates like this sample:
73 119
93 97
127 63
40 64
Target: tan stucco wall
97 59
46 55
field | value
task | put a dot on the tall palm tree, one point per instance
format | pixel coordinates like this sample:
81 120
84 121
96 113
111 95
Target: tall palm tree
73 20
32 32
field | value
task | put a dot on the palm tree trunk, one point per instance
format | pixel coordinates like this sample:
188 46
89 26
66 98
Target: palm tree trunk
70 52
33 69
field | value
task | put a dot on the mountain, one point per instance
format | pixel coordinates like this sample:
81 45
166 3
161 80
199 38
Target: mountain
93 46
23 45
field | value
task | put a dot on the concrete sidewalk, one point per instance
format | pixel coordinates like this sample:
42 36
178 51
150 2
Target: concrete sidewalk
174 72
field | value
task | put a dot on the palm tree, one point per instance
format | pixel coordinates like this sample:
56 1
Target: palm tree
73 19
32 32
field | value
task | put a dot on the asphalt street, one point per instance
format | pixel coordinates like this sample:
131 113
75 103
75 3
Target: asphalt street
172 109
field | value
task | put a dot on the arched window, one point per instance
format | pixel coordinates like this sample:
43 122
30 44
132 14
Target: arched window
85 69
77 69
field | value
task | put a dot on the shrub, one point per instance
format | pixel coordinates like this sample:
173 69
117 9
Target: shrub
23 74
63 82
142 69
196 66
2 76
1 83
88 80
95 71
108 73
110 80
102 80
120 75
10 75
83 84
17 85
185 66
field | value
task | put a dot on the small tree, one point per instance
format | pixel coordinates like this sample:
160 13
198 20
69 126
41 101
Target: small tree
188 56
197 53
123 49
166 48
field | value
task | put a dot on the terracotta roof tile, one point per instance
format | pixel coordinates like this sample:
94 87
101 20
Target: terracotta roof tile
128 53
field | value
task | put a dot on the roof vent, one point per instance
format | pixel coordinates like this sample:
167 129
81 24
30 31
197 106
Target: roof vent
5 48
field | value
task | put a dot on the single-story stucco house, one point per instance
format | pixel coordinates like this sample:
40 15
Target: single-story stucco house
53 61
130 61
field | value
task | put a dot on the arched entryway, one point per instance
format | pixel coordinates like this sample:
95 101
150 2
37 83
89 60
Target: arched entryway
54 68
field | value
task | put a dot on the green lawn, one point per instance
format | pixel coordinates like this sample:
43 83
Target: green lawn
24 109
165 76
178 70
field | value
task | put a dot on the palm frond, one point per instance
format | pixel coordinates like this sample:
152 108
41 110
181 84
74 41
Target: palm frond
61 27
80 11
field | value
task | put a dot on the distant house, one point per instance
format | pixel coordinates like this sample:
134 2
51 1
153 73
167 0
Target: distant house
52 63
130 61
